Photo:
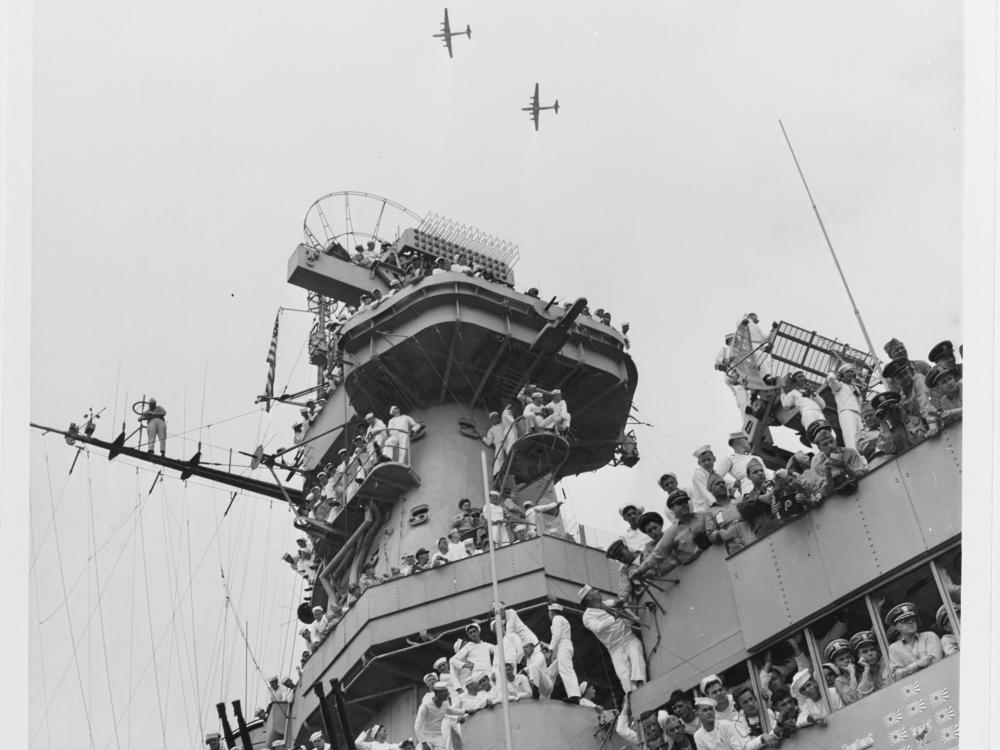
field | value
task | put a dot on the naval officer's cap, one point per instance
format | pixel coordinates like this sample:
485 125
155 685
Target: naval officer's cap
883 401
675 498
937 372
863 638
940 351
896 368
836 647
941 618
901 611
614 549
815 428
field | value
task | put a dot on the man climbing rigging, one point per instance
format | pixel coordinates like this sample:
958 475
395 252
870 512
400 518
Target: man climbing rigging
156 425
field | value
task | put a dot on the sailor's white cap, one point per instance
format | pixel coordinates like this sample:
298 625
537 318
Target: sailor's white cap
703 701
706 681
494 492
370 415
584 591
442 662
315 736
626 506
536 394
801 678
556 392
702 449
527 503
555 607
440 685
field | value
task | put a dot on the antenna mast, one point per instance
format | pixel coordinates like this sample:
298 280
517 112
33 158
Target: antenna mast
854 305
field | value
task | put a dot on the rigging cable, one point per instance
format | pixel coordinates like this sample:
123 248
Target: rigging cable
41 656
100 608
62 580
153 646
131 611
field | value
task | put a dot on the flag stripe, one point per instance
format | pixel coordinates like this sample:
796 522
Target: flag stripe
272 359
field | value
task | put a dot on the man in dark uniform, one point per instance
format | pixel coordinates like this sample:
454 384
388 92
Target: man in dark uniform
896 350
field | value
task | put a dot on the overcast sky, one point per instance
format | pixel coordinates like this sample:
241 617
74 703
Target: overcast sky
177 147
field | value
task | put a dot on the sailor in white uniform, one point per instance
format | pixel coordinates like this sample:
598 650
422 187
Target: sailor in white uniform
534 411
495 438
375 437
633 536
617 636
560 417
401 427
534 516
475 653
809 408
494 514
735 464
434 707
561 646
848 403
701 498
733 380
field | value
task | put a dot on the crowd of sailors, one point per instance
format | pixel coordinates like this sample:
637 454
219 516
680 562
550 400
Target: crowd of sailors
731 502
400 269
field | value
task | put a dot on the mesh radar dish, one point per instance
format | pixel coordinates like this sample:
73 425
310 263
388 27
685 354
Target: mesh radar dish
350 218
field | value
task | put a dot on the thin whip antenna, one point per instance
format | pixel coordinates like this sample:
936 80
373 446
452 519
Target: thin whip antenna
854 305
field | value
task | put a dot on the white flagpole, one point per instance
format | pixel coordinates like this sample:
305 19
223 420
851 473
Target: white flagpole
497 612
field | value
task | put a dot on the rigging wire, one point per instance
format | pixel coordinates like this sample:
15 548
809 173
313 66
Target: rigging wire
62 581
100 608
41 656
131 610
153 646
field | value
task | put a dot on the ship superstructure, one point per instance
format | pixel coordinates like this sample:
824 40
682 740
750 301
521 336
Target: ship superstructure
448 347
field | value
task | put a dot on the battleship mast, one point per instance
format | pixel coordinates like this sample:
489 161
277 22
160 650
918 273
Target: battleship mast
446 348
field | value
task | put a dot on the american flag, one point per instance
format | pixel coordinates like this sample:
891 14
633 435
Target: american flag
272 358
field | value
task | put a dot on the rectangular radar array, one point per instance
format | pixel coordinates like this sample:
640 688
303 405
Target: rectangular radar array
445 238
794 348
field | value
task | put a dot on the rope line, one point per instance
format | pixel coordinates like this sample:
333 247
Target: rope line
100 608
62 581
149 621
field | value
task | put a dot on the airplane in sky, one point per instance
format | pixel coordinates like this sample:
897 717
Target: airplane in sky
534 109
447 33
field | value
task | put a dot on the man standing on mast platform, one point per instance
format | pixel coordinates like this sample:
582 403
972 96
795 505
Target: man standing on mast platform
156 425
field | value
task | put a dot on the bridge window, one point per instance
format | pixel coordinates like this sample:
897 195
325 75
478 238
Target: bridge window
831 648
907 609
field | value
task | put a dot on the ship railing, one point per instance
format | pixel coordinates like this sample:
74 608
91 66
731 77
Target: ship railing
376 449
521 426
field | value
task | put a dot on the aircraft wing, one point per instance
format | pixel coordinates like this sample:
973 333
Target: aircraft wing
447 33
534 107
